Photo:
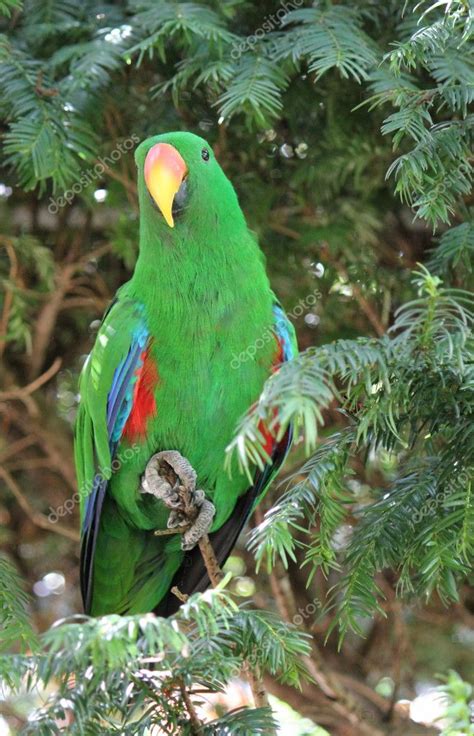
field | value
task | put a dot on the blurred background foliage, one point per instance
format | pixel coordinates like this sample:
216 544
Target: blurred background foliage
347 131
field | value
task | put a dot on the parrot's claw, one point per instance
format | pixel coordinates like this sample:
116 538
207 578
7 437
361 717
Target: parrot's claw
154 483
171 478
200 526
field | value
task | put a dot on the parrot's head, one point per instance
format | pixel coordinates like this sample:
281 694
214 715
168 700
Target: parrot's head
182 189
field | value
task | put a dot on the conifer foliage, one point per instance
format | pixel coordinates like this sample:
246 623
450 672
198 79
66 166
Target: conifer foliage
348 131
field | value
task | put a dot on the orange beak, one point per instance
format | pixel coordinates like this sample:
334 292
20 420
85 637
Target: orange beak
164 172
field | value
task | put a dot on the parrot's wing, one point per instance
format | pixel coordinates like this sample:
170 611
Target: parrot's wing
107 396
192 575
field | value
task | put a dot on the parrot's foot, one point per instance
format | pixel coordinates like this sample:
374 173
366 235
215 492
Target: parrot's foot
172 479
199 526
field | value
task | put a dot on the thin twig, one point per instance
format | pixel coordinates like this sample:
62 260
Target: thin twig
8 300
18 446
59 455
363 302
33 463
260 697
180 596
95 253
174 530
210 560
196 724
129 185
39 519
47 318
85 302
20 393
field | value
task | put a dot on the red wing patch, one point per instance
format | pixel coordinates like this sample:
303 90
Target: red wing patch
269 440
144 404
269 435
279 355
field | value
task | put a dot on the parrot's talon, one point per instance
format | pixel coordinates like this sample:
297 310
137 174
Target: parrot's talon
171 478
198 498
182 472
176 518
200 525
154 483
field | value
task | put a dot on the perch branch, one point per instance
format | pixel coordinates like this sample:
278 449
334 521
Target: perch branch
196 724
170 474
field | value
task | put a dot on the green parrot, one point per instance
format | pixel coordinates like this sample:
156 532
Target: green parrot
182 353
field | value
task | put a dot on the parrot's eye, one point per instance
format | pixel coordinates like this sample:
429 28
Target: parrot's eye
205 154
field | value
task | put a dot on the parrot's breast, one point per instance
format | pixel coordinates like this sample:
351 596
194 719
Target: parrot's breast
209 375
211 348
203 371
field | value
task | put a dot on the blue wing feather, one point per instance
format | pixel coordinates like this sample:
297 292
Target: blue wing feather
282 329
119 405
